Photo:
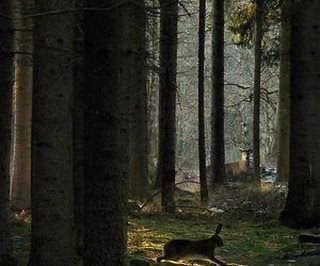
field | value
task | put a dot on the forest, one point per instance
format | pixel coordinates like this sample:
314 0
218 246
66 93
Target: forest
159 132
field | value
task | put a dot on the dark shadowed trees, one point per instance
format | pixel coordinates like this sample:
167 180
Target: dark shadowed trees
106 106
201 121
6 83
258 34
284 96
52 241
303 202
167 102
78 130
138 167
217 96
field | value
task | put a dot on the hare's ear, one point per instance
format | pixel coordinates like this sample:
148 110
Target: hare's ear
218 229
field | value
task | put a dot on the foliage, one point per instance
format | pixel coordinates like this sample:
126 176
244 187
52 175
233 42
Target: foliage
241 24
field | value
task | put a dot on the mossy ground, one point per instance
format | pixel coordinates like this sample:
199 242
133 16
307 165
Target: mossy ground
246 241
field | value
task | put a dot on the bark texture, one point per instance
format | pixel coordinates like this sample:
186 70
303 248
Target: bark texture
167 102
106 107
303 202
138 167
217 96
6 84
52 241
78 130
284 96
201 122
20 186
256 93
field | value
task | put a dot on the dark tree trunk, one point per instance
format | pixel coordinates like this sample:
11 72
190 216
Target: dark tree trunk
284 96
303 202
202 140
52 241
20 187
138 167
167 102
256 94
6 83
106 98
78 131
217 98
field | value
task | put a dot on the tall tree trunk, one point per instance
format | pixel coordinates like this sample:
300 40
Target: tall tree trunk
201 125
256 94
106 102
138 167
20 187
167 102
153 91
284 96
6 83
303 202
52 241
78 131
217 97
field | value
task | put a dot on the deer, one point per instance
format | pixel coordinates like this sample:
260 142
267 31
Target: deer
191 250
238 169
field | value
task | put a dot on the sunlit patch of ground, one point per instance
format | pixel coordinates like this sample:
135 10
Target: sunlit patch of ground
245 242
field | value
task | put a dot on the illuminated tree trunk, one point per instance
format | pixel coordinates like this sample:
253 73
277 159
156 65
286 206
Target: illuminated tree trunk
20 187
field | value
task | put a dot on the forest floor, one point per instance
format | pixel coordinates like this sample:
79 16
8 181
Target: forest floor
245 242
251 232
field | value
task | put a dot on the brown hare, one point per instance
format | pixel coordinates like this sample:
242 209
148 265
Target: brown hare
193 249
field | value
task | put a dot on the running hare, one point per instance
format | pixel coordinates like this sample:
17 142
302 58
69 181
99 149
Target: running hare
193 249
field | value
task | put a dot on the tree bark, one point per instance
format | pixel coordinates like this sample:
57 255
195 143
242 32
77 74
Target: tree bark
20 187
284 96
303 202
138 167
217 97
167 102
78 131
106 107
52 241
201 123
6 84
256 94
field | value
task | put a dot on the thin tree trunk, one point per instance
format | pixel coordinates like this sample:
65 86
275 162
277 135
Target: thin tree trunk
20 187
284 96
6 84
217 97
106 107
52 241
303 202
167 102
138 167
202 137
256 93
153 92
